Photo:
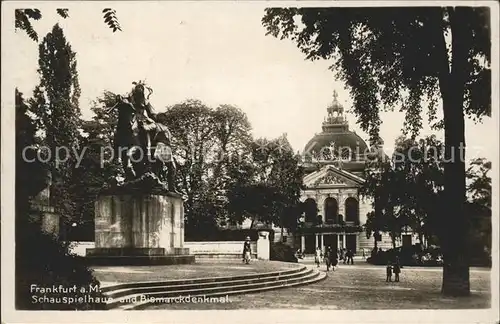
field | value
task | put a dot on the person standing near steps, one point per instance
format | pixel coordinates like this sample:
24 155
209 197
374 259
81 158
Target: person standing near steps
318 256
247 250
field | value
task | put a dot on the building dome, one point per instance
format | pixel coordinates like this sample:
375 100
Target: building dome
336 137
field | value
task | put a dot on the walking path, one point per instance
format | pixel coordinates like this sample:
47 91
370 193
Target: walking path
361 286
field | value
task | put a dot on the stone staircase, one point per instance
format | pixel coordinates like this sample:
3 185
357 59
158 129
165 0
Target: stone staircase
138 295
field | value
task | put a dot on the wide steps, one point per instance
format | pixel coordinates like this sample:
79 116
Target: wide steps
140 295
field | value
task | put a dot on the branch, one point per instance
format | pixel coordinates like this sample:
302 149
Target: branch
111 20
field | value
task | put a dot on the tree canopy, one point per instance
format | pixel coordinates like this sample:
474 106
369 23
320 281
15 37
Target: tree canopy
25 17
396 57
408 58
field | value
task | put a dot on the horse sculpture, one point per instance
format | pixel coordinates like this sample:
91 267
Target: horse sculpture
141 143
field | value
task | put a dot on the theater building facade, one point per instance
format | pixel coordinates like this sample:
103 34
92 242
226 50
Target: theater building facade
333 210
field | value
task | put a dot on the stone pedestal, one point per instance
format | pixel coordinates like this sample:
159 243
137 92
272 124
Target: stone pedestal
263 246
139 229
43 213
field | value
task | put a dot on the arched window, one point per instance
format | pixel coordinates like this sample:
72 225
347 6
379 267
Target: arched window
310 210
352 210
331 210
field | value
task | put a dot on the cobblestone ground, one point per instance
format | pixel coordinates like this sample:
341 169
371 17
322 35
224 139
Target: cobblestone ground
361 286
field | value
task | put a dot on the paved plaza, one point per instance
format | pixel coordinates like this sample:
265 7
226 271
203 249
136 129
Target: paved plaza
113 275
360 286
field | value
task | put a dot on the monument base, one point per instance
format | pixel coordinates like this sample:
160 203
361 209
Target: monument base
138 256
147 260
137 228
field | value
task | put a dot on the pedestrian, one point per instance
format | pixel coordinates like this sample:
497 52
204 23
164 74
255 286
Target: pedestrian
328 251
388 271
317 256
397 270
364 255
350 256
333 260
342 255
246 250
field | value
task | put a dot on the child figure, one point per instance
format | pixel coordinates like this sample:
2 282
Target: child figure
388 270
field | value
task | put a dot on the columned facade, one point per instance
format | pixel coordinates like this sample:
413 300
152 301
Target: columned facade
334 161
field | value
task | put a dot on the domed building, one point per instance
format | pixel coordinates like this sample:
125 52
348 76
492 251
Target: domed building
334 212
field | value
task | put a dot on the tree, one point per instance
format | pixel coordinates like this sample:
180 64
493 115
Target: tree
271 189
379 186
41 259
479 209
208 145
24 17
30 171
56 110
418 183
96 167
400 57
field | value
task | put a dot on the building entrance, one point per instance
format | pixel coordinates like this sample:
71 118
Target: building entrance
331 240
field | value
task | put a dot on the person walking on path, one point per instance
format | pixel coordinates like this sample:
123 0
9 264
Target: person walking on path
397 270
247 250
317 257
330 259
333 260
349 255
388 271
341 255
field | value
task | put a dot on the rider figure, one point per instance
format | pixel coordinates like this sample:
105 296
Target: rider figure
144 112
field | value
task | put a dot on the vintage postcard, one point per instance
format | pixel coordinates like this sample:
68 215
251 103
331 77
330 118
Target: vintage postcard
263 161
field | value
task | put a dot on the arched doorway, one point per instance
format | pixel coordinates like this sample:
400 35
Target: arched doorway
331 210
352 210
310 210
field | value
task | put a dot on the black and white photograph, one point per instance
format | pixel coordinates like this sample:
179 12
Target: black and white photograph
267 161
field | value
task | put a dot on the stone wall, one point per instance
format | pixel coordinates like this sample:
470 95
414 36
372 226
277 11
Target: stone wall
216 247
80 248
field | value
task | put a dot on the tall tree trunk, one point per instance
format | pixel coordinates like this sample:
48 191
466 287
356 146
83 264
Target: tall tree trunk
453 224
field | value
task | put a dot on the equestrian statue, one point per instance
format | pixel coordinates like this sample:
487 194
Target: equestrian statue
141 143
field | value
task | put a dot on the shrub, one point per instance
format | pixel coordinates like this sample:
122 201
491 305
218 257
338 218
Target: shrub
44 261
282 252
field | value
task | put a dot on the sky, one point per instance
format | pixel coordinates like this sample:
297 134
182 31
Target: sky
217 54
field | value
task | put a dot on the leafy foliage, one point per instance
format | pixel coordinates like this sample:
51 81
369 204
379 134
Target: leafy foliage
271 191
407 192
31 177
24 17
403 57
56 111
22 21
392 57
44 261
41 259
63 12
109 16
208 143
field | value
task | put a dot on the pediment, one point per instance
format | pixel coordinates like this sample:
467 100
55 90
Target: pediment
331 176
